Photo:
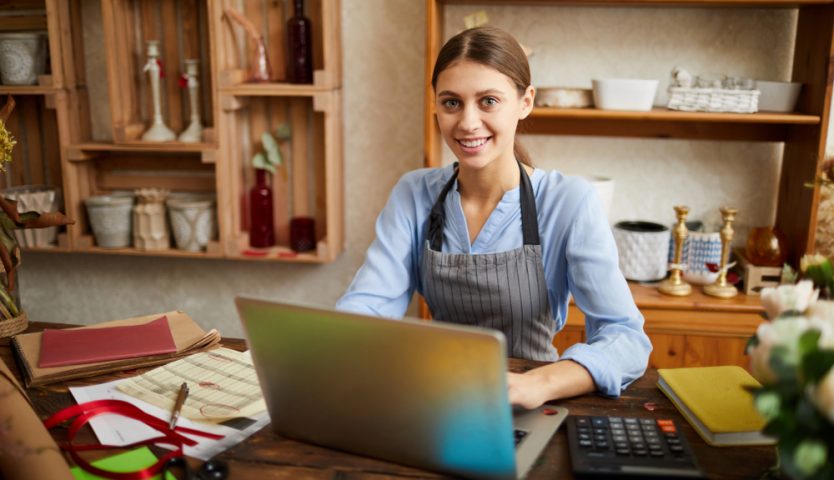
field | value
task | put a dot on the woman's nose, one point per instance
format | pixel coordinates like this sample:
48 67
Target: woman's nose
470 119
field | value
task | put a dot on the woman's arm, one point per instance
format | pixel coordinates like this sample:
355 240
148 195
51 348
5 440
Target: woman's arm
384 284
561 379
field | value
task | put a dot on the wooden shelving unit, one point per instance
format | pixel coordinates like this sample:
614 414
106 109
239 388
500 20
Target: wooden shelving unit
696 330
230 110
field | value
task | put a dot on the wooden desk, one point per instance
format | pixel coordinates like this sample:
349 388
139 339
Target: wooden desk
267 455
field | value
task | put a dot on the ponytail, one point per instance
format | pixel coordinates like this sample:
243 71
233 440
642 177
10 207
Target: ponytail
521 153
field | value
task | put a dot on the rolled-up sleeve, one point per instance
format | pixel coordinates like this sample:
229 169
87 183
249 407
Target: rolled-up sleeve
617 349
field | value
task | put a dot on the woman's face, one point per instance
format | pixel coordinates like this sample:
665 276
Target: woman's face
478 109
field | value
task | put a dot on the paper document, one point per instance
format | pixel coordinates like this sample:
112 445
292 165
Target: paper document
118 430
222 385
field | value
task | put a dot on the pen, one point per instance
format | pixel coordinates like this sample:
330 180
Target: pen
175 413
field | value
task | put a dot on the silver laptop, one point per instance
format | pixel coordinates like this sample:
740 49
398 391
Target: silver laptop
424 394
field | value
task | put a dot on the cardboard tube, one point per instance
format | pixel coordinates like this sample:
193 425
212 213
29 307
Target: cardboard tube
27 450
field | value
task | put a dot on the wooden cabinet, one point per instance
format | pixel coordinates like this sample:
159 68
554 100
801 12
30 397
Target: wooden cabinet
696 330
234 114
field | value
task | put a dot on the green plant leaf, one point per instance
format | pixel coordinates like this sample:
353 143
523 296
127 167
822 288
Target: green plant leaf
273 151
808 342
780 363
807 416
752 343
816 364
810 455
259 161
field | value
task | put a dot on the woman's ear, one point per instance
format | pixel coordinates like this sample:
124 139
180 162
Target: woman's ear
527 100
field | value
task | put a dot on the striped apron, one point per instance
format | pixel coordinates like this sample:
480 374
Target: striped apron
505 291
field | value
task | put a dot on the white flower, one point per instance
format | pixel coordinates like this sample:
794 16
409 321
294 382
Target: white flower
782 332
823 395
787 298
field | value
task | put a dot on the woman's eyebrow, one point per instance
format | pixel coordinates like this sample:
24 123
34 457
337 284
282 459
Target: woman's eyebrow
490 91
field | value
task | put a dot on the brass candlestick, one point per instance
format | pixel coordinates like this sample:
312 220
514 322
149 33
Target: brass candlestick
675 285
721 288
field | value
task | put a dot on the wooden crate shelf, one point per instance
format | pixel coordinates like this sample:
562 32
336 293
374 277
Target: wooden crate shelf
307 184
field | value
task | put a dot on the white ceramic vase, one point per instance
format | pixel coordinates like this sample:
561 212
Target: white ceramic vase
35 198
150 226
643 249
22 57
192 221
110 219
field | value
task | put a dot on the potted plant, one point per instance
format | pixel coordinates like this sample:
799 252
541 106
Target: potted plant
12 319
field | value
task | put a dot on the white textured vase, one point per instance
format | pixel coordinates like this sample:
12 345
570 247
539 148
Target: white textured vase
110 219
643 249
22 57
192 221
35 198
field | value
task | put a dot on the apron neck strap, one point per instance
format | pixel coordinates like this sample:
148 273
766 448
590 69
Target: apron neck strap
529 222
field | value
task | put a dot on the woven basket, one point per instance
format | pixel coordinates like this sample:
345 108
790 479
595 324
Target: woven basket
13 326
713 100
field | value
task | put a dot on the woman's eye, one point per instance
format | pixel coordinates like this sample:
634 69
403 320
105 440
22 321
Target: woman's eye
490 101
451 103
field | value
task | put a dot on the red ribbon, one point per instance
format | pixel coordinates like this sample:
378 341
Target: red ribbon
82 413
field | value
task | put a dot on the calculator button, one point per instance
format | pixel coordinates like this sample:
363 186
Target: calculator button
619 438
656 453
600 438
673 440
668 429
623 451
599 421
665 422
615 420
620 445
655 446
585 443
676 448
602 445
630 421
600 431
640 452
647 421
638 445
582 422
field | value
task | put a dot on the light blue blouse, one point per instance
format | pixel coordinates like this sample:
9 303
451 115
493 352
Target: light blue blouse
580 257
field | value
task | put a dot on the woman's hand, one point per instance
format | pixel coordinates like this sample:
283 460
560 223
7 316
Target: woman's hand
558 380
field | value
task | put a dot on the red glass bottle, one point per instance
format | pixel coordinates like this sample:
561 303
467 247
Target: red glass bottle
261 227
300 57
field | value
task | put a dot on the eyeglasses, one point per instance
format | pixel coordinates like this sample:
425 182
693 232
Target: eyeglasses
211 470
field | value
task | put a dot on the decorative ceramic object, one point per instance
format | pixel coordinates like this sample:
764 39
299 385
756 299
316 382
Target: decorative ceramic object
722 288
159 132
150 227
192 221
643 249
562 97
110 219
700 249
765 247
260 70
194 132
303 234
22 57
624 94
35 198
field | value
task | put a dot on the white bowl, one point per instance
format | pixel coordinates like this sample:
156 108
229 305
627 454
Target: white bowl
778 96
624 94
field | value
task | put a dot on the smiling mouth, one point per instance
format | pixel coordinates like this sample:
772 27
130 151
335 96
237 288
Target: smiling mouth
473 143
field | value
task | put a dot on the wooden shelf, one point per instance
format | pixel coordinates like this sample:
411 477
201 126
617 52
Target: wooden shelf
177 147
156 253
659 3
28 90
664 123
272 90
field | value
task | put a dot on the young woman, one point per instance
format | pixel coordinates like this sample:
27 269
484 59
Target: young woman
492 241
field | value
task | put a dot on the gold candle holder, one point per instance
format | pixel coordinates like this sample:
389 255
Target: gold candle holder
721 288
675 285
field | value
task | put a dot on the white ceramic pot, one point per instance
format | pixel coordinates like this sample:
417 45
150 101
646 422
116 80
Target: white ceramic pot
35 198
643 249
192 221
110 219
624 94
22 57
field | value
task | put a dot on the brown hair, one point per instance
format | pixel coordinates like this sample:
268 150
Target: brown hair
494 48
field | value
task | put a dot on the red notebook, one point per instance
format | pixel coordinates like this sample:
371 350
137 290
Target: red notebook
90 345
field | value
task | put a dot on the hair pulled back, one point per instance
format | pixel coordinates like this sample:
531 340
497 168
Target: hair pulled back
492 47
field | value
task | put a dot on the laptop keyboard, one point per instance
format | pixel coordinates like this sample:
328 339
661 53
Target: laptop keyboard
519 436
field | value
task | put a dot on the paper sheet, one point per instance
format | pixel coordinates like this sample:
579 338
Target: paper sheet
118 430
222 384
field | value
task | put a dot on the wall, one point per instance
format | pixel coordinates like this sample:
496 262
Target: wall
383 85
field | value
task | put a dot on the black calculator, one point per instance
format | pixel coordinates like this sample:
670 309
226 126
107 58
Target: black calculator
604 446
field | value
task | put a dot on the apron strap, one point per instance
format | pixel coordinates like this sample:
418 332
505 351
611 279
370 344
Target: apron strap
529 221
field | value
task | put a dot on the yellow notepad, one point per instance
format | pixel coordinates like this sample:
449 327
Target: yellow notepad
715 402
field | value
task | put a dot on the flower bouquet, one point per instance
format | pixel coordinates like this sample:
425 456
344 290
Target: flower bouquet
792 355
